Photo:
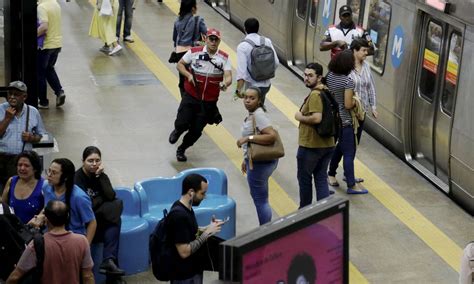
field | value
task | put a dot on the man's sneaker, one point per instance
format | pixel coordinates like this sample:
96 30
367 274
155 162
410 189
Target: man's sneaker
174 136
180 156
61 99
116 49
41 106
105 49
128 39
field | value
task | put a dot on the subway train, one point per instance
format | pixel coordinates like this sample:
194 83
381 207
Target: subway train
423 69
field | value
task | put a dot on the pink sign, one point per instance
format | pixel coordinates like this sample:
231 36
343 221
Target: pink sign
311 255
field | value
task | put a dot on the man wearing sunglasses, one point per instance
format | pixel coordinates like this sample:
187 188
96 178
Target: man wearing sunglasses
339 37
20 126
208 71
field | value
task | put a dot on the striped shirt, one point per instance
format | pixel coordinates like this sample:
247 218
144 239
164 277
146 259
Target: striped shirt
364 86
337 84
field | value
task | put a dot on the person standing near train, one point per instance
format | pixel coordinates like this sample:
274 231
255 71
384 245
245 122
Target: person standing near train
244 50
314 151
209 72
339 37
363 80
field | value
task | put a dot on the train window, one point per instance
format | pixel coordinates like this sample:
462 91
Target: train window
429 70
378 24
451 77
302 8
357 12
314 9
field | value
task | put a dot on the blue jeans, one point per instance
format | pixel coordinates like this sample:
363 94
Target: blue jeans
46 59
127 7
258 183
313 163
345 148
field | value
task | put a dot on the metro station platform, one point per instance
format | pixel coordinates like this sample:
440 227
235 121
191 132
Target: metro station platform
404 231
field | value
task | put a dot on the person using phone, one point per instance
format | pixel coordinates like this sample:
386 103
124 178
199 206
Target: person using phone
184 233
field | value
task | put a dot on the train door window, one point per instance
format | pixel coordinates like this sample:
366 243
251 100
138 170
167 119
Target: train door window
357 12
302 8
451 77
378 25
314 10
430 61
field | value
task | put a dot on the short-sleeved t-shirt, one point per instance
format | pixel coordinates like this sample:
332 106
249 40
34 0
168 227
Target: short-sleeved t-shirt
307 135
261 122
65 256
182 228
81 207
338 84
49 12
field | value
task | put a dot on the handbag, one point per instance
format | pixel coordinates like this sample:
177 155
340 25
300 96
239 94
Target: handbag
258 152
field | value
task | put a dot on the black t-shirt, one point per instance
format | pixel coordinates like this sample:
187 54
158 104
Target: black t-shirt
182 229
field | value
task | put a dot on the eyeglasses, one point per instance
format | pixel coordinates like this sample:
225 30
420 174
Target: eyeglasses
213 38
50 172
93 161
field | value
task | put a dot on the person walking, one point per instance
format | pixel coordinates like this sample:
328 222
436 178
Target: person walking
188 31
103 26
257 129
49 16
209 73
244 50
342 86
314 151
125 10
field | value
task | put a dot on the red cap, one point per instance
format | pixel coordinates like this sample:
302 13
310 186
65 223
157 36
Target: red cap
213 32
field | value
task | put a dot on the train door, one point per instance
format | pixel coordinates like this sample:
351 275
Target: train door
433 102
304 32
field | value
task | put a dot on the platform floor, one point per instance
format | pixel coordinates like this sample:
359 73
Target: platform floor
404 231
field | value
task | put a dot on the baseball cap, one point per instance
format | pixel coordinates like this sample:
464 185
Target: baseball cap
213 32
18 85
344 10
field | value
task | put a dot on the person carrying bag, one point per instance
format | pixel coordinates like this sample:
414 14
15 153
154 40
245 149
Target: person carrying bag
262 148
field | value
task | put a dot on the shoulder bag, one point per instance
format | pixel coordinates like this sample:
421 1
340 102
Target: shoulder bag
258 152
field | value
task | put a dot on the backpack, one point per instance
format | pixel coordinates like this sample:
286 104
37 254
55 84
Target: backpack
14 237
330 121
161 250
262 61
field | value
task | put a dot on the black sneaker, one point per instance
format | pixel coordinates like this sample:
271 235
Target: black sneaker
180 156
174 136
60 99
108 266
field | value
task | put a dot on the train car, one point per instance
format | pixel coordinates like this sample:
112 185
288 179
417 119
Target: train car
422 66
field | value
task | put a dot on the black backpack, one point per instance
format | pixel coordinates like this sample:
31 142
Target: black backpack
329 125
14 237
262 61
161 252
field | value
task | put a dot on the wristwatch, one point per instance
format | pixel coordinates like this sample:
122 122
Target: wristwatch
251 138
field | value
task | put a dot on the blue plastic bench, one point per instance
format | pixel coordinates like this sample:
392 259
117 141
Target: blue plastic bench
134 234
160 193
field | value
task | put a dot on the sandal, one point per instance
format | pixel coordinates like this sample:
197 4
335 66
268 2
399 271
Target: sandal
357 190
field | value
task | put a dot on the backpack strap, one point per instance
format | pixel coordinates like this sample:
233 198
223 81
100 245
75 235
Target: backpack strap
250 42
196 29
39 250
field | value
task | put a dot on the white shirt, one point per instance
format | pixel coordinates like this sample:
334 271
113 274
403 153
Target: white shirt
243 59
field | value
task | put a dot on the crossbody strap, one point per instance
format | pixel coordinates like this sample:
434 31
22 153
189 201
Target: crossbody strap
26 126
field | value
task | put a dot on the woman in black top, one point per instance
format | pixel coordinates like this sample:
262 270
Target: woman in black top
107 209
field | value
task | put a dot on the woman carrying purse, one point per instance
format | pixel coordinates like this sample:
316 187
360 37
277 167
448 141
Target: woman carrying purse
257 129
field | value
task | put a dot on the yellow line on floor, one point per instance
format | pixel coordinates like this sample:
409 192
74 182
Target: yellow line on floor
447 249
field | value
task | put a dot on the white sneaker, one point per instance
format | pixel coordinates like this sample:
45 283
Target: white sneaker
129 39
116 49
